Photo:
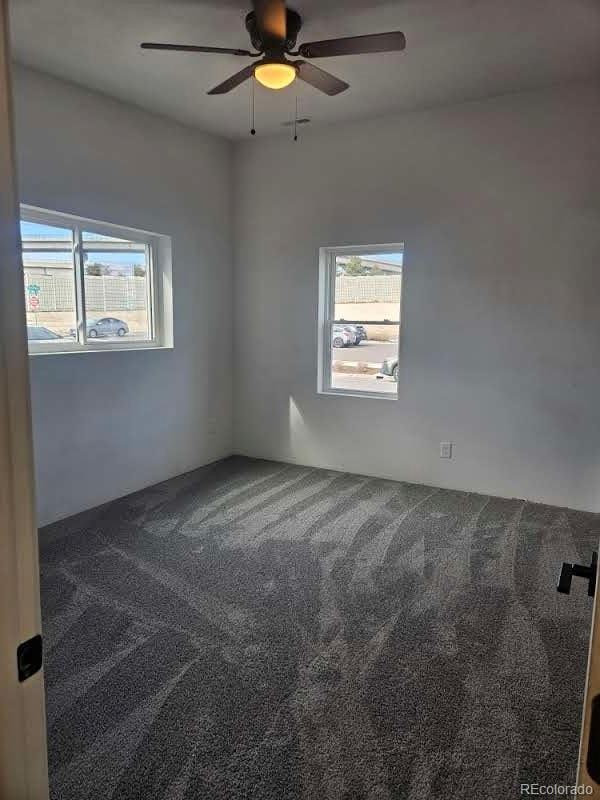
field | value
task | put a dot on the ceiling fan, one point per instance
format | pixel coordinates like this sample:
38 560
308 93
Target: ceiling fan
273 30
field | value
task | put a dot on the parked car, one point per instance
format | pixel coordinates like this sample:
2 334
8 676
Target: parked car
362 333
352 331
104 326
389 369
342 336
36 333
356 332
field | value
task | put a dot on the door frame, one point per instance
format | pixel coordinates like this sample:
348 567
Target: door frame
592 691
23 755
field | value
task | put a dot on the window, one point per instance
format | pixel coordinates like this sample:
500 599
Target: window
359 320
92 286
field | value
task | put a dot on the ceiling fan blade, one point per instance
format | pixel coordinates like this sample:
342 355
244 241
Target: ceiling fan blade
192 48
320 79
234 81
354 45
271 19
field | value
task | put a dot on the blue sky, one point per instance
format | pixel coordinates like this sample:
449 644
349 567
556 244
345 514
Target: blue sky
391 258
131 259
37 230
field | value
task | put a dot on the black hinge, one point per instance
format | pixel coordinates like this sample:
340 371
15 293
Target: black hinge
29 657
569 570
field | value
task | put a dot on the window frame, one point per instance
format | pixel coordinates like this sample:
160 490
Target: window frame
158 297
326 317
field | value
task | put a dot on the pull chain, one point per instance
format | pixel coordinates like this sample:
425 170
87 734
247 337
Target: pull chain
296 121
252 107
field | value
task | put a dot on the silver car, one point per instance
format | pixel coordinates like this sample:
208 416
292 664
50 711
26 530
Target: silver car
342 336
389 369
104 326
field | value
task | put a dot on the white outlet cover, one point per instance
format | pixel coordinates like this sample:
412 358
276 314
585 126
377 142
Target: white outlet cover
445 449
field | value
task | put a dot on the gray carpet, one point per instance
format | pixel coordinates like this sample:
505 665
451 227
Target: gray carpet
256 630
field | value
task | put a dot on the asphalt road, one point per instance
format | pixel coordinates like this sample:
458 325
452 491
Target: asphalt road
367 350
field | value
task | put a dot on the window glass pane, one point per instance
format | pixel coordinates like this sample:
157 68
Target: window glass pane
365 328
89 236
35 235
364 358
49 282
117 288
368 287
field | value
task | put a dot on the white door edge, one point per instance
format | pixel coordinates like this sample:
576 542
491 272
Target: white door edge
23 759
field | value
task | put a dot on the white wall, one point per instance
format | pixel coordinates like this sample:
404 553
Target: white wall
106 424
498 203
499 206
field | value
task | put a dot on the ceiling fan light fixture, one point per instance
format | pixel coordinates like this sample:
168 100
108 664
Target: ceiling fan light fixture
274 29
275 74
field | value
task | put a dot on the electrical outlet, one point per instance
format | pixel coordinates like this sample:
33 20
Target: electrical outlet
445 449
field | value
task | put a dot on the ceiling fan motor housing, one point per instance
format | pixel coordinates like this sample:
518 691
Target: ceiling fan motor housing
294 24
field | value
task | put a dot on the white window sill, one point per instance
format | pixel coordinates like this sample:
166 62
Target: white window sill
101 349
362 395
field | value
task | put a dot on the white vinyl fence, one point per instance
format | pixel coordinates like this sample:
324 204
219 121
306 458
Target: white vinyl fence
368 288
102 293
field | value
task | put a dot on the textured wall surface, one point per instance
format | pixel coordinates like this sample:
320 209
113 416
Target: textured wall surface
106 424
498 206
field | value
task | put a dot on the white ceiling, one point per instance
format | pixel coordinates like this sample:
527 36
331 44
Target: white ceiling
456 50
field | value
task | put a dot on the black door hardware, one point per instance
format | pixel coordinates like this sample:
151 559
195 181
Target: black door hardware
569 570
29 657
